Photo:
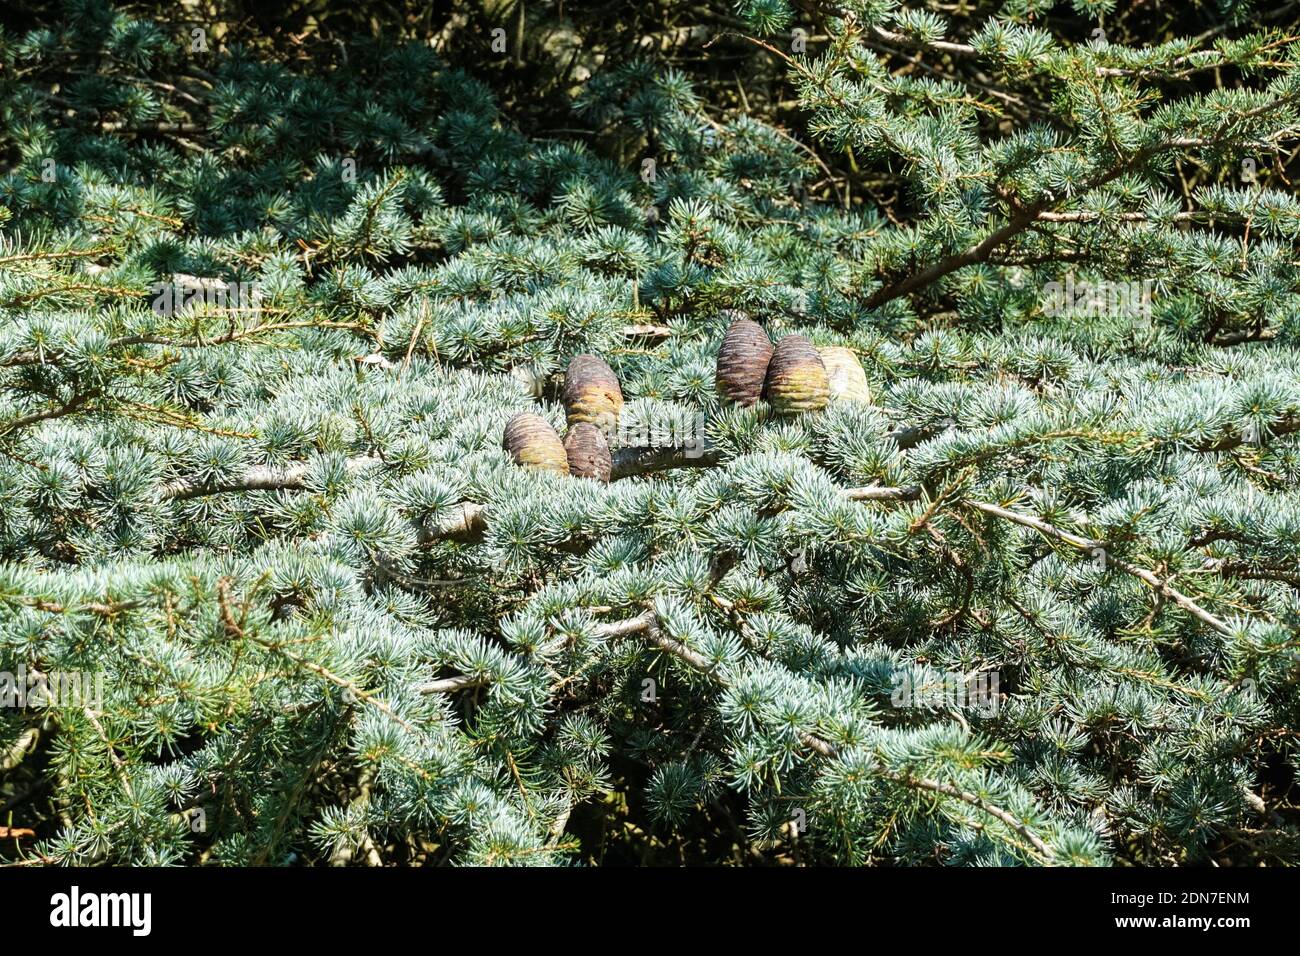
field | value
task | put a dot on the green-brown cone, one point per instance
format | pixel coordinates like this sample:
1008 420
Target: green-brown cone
796 378
533 443
592 393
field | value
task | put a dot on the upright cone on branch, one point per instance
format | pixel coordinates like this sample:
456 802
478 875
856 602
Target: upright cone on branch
588 452
848 382
742 361
796 378
533 443
592 393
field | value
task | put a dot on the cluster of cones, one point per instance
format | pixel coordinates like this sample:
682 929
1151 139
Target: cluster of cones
592 403
794 376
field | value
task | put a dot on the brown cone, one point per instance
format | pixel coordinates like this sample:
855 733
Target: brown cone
743 358
592 393
533 443
588 452
796 378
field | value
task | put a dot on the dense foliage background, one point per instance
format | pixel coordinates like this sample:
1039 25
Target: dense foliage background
333 622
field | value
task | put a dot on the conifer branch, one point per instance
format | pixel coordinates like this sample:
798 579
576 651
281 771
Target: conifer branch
646 626
1081 543
1078 542
54 356
74 404
431 256
1025 215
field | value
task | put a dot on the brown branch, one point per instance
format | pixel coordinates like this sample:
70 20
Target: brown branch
1091 215
1161 586
23 298
72 405
1024 216
52 356
277 647
1284 426
883 493
21 748
449 685
48 256
1179 67
628 462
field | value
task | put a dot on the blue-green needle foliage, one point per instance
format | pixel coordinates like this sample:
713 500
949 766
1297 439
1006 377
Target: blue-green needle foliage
334 622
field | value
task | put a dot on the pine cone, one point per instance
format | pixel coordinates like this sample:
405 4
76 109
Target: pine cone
588 452
796 377
533 443
742 361
592 394
847 380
